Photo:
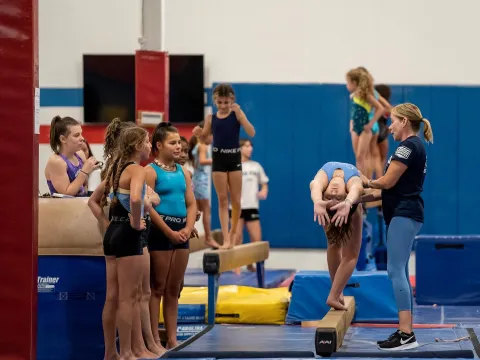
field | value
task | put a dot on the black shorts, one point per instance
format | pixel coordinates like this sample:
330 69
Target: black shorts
121 240
248 215
148 222
158 241
226 160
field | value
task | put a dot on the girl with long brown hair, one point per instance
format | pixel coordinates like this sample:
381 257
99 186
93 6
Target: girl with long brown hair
334 191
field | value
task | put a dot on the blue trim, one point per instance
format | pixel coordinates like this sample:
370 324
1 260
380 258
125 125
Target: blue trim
64 97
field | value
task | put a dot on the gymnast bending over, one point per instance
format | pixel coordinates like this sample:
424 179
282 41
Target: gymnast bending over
334 191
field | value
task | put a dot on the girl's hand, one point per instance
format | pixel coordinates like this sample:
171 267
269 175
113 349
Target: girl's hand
343 210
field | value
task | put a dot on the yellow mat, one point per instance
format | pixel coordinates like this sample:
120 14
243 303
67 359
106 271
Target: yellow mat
241 304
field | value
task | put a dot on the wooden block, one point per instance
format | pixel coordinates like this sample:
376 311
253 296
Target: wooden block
332 328
219 261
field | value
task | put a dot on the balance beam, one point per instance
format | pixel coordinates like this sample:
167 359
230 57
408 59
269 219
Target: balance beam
219 261
332 328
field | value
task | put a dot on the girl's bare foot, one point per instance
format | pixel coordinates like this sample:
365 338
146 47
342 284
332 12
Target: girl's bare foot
210 241
341 299
158 350
171 345
251 268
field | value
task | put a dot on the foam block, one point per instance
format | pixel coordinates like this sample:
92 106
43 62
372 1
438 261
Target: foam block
71 295
447 269
372 291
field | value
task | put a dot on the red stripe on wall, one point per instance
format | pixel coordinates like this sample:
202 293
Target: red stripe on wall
95 134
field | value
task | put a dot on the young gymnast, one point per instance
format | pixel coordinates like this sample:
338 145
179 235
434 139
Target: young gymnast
202 160
226 158
67 169
254 188
143 343
124 237
334 191
403 210
360 86
172 223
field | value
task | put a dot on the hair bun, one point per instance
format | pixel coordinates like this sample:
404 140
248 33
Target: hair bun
164 124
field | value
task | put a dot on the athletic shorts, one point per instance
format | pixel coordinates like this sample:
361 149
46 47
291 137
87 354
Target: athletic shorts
121 240
248 215
226 160
383 133
158 241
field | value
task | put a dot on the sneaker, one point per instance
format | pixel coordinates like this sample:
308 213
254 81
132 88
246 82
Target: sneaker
399 341
389 338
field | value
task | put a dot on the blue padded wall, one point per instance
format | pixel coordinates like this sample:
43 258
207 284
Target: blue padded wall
302 126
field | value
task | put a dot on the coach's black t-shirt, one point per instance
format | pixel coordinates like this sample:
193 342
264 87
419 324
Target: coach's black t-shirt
404 198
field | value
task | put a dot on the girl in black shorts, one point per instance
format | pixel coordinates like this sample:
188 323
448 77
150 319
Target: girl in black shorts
226 157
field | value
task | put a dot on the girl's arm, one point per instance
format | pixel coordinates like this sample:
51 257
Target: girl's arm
207 127
191 205
57 170
94 205
202 155
379 110
387 106
355 190
137 182
242 119
318 185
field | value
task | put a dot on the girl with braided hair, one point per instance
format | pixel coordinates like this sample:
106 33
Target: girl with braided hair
125 185
334 191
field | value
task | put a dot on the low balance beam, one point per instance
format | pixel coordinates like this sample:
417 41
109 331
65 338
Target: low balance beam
332 328
198 244
219 261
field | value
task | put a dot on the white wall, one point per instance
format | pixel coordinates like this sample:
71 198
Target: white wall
313 41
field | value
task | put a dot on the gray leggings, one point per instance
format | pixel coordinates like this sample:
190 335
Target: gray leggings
400 236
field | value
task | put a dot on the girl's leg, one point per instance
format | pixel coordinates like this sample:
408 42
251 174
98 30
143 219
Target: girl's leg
255 232
178 266
204 206
144 302
383 147
109 313
363 151
239 241
220 182
349 261
129 276
235 187
159 272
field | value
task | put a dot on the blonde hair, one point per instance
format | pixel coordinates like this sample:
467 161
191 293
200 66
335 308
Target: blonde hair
364 82
414 115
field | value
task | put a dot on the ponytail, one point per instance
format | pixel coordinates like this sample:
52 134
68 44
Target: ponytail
427 131
60 127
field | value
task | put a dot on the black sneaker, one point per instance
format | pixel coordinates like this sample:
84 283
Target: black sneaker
399 341
389 338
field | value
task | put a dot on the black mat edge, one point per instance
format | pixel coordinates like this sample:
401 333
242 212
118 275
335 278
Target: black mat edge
188 341
474 340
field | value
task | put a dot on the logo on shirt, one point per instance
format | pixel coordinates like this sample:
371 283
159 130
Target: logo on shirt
403 152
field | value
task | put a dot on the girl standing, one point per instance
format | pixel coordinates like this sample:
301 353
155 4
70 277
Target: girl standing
226 158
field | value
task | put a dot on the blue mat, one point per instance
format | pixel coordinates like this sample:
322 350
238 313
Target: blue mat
431 254
273 278
373 294
229 339
71 296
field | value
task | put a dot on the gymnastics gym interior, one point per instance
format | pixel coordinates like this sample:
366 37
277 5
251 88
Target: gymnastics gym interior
137 58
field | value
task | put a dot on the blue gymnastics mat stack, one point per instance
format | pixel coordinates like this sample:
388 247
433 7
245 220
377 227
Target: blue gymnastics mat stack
372 290
71 296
